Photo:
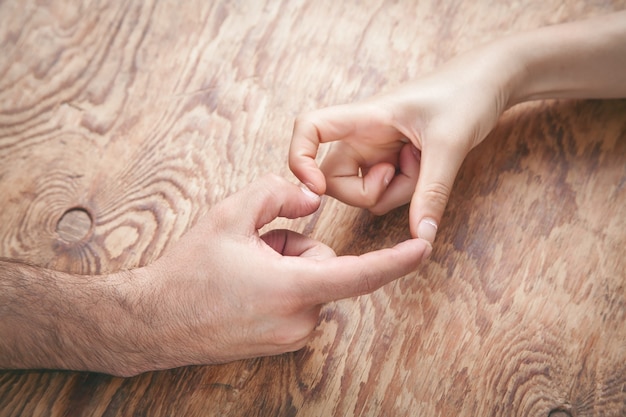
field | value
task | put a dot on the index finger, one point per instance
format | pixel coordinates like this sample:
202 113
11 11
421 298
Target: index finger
325 125
305 142
350 276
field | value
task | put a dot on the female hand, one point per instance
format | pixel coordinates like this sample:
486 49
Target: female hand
406 145
442 116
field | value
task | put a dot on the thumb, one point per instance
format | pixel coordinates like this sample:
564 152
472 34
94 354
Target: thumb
439 166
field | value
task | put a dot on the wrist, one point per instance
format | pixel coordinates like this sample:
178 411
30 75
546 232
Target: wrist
577 60
507 70
55 320
100 330
123 345
531 79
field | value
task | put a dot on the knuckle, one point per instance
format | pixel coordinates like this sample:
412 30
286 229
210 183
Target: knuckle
303 118
268 188
293 162
437 193
367 284
303 123
370 280
222 217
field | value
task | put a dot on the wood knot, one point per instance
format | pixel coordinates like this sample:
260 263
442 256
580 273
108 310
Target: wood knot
74 225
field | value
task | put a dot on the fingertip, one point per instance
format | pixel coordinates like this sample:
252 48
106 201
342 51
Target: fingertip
427 229
427 250
309 193
377 180
316 182
417 154
418 245
309 202
306 170
309 174
389 173
410 161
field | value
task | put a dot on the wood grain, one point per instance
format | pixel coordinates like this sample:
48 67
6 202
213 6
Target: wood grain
142 114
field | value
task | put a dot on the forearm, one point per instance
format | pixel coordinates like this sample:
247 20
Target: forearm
54 320
585 59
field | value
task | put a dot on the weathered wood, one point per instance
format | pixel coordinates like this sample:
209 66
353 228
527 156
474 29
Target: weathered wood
143 114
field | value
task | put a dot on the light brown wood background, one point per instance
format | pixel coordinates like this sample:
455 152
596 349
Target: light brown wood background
144 114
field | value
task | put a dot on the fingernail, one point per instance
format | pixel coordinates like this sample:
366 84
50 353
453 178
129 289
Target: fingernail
416 153
310 194
388 177
427 230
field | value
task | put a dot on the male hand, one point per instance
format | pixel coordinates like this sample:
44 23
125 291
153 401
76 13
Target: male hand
223 292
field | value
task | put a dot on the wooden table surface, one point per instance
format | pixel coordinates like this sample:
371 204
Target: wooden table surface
127 120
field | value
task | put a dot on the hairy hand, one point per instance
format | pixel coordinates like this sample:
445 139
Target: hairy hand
224 292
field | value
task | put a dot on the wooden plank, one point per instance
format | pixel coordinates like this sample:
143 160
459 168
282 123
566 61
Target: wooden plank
141 115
